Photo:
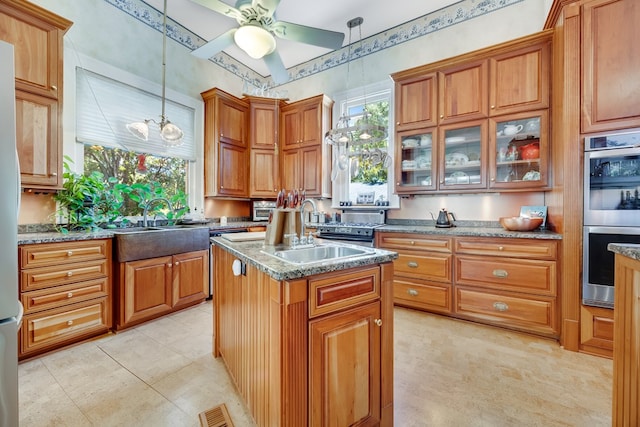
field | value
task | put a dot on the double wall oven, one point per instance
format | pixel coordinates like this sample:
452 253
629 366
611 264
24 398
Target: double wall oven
611 209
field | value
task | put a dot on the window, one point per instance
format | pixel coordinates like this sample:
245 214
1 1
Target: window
363 173
103 108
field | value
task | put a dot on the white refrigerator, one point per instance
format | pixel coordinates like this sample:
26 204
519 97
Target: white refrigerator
10 307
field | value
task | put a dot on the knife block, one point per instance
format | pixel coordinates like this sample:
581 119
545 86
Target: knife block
283 221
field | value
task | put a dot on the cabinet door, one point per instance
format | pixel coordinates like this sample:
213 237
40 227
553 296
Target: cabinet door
519 80
37 140
416 168
263 117
416 102
290 169
145 289
462 92
519 147
232 122
290 128
190 278
463 156
596 331
311 120
233 175
344 368
311 170
265 181
610 64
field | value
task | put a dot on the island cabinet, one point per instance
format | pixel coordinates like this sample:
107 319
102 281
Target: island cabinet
610 62
153 287
65 289
626 339
305 157
226 147
491 104
423 271
310 351
37 36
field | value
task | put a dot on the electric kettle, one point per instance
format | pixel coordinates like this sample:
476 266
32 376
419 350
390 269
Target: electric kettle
443 220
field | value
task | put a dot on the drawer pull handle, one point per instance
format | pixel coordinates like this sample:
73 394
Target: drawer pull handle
54 87
500 306
169 265
69 273
412 264
413 243
500 273
69 253
177 263
69 322
378 322
69 294
501 248
412 292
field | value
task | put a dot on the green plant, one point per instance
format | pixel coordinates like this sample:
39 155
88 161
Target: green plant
142 193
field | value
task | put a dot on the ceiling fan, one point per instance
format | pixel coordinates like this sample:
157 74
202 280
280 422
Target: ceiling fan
256 32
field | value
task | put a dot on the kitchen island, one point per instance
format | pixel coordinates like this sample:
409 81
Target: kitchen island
306 344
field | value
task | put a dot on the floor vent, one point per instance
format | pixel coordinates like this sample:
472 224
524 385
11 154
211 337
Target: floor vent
216 417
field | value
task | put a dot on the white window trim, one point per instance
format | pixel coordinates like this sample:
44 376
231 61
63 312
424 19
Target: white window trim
75 150
372 92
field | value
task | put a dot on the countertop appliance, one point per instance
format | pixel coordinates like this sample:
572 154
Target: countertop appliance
10 307
262 209
611 209
357 227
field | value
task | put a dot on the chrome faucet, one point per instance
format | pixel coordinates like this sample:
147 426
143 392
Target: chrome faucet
149 203
303 238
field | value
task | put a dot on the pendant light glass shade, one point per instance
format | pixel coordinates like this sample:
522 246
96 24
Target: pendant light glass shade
171 134
254 40
139 129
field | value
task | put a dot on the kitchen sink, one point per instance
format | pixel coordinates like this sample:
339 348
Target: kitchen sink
318 253
151 242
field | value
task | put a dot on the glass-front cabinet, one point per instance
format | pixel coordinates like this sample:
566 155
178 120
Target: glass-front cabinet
463 156
416 150
519 150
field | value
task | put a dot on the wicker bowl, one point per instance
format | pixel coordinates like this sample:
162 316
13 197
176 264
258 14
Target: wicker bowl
520 223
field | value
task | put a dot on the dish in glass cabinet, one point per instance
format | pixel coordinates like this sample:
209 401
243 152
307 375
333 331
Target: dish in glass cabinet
423 162
408 164
456 159
409 143
531 176
460 177
454 139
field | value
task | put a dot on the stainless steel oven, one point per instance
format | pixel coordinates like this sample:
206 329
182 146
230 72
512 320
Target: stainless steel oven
262 209
611 209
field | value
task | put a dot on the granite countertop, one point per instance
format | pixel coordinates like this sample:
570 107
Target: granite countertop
53 236
252 253
477 231
629 250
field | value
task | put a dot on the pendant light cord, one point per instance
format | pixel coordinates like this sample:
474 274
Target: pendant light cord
164 59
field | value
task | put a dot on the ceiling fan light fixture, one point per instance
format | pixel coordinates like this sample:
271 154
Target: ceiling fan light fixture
255 40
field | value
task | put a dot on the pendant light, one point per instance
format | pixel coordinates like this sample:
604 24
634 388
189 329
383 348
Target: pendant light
170 133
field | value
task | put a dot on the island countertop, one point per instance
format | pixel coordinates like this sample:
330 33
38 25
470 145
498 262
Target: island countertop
629 250
253 252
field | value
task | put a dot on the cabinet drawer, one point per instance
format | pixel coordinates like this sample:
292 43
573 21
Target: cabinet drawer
413 241
46 254
518 275
535 314
514 248
67 294
428 266
54 327
38 278
423 295
332 292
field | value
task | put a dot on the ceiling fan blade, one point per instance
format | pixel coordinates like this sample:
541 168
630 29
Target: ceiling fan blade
278 71
270 5
308 35
220 7
214 46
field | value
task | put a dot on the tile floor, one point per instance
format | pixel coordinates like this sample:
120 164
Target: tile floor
447 373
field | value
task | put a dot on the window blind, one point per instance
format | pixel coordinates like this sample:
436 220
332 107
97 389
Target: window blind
104 107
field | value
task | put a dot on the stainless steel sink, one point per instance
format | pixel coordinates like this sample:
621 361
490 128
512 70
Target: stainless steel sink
318 253
151 242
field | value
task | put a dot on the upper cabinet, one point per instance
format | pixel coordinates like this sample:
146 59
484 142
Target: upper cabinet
610 65
264 169
490 130
226 148
38 47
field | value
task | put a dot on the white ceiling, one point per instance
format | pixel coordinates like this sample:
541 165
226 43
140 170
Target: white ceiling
325 14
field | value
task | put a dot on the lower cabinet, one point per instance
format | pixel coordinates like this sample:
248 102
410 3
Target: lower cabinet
152 287
596 331
65 289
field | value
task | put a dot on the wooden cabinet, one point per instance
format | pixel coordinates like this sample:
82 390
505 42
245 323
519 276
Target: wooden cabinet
626 342
422 271
416 102
596 331
610 64
153 287
264 169
38 48
65 289
226 145
508 84
463 92
305 158
307 351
